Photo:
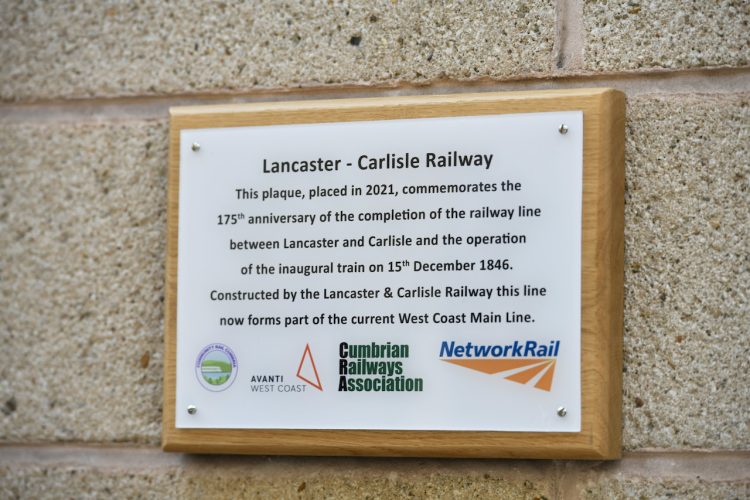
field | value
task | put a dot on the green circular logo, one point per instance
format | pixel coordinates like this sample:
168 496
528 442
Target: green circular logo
216 367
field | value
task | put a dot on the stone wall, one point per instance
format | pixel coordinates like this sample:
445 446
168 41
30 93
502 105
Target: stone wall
84 91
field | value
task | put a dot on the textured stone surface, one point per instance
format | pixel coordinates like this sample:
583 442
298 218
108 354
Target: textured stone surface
128 472
92 48
65 482
687 280
640 34
654 475
365 479
659 489
61 475
82 230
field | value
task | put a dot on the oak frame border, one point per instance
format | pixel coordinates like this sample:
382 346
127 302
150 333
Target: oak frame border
601 282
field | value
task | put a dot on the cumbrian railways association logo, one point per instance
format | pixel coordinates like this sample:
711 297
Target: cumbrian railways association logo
216 367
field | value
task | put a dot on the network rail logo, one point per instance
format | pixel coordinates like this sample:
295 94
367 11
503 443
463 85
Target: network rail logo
524 362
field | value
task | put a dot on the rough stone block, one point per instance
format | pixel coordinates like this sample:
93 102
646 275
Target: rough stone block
654 475
90 48
660 489
66 481
687 278
82 235
642 34
366 479
70 472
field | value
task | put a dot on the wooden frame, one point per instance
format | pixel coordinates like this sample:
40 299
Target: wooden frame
601 286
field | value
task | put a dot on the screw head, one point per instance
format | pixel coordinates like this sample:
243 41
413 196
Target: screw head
195 146
562 411
192 410
563 129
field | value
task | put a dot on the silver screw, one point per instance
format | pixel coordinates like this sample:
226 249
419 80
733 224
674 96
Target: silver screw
192 410
561 412
195 146
563 130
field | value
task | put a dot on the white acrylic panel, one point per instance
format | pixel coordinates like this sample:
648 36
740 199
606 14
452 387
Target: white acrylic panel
468 392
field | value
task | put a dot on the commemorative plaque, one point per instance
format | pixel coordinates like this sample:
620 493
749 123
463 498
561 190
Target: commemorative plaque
416 276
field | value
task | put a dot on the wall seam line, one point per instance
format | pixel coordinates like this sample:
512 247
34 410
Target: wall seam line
562 77
569 36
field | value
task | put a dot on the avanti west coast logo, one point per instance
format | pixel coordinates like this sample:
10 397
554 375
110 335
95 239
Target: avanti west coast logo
521 361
